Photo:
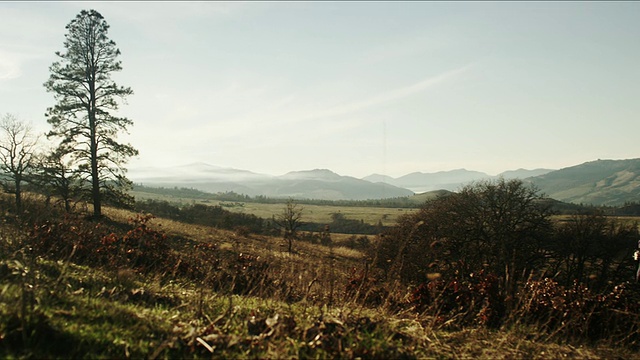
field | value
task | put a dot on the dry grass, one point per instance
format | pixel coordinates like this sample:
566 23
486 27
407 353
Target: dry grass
486 344
312 271
120 313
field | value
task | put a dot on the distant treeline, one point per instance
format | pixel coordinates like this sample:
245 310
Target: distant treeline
181 192
200 214
627 209
217 216
342 225
178 192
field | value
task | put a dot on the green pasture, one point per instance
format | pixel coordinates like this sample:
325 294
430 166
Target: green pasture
311 213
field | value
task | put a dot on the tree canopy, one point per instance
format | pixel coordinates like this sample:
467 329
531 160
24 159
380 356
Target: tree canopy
498 226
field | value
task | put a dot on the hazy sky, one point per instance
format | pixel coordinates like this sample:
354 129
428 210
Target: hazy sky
356 87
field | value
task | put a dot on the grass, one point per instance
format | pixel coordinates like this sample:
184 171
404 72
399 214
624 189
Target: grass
95 315
56 308
312 213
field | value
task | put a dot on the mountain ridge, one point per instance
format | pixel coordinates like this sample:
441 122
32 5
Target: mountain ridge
322 184
598 182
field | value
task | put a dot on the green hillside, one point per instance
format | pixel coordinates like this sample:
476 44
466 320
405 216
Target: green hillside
429 195
600 182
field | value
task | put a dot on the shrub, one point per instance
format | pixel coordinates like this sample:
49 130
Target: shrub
462 300
86 242
577 312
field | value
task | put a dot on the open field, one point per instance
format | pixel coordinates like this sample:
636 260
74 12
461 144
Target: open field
311 213
322 213
319 213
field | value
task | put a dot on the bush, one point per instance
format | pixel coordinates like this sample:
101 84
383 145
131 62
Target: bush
475 299
206 215
579 313
86 242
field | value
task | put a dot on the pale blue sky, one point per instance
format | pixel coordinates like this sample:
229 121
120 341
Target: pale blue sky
355 87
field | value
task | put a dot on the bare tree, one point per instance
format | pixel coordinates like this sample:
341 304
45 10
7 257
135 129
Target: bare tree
289 221
17 155
56 175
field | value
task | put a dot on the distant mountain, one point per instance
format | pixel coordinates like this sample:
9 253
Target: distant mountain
196 172
317 174
452 180
422 182
375 178
523 173
601 182
320 184
441 180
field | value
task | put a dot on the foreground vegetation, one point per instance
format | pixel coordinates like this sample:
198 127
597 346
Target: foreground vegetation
137 286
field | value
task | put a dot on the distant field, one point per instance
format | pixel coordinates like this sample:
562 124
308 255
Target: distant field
321 213
311 213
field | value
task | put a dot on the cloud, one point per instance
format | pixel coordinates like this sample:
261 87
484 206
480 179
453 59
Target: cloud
9 66
13 61
252 111
392 95
286 110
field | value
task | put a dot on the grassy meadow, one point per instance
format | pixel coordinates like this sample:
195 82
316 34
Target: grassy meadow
312 213
135 287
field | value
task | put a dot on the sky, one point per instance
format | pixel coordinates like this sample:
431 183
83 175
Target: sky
355 87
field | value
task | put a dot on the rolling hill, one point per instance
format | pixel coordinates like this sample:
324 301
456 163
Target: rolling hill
319 184
600 182
442 180
451 180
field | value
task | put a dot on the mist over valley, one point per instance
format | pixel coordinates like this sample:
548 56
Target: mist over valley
600 182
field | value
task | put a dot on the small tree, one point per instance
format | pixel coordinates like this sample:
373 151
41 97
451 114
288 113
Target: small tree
588 245
17 155
86 100
499 226
289 221
56 176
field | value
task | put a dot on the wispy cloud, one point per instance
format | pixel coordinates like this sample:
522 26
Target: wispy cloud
392 95
251 111
9 66
13 59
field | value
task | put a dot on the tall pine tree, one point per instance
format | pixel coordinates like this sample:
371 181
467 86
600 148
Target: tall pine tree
87 100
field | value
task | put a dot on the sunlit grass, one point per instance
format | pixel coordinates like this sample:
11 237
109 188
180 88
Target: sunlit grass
92 312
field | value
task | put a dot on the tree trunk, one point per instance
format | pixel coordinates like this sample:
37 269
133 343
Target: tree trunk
289 237
95 179
18 196
95 190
